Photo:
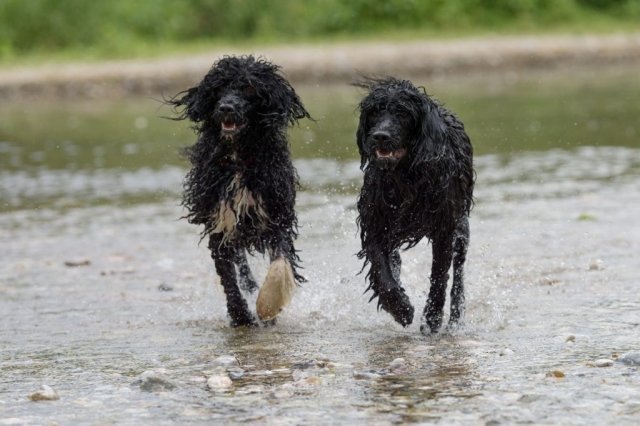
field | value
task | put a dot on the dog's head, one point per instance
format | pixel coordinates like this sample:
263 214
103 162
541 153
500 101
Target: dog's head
241 94
399 124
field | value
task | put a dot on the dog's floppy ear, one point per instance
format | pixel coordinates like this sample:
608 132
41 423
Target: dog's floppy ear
430 138
296 110
370 84
287 101
361 137
190 100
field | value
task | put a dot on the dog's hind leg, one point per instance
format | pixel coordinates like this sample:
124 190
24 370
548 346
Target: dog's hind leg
442 256
385 283
460 246
223 257
279 285
245 278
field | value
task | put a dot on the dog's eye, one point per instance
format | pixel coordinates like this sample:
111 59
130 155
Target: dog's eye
249 90
374 114
404 114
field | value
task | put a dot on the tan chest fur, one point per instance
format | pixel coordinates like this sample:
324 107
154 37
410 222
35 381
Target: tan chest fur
240 203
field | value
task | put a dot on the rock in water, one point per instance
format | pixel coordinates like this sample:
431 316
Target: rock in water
277 290
150 381
396 363
365 376
219 382
603 362
632 358
46 393
225 361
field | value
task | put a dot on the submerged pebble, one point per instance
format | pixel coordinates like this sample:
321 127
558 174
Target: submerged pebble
165 287
632 358
556 373
261 373
281 393
151 381
596 266
365 376
237 374
299 375
339 368
225 361
76 263
251 389
219 382
313 381
303 365
604 362
396 363
45 393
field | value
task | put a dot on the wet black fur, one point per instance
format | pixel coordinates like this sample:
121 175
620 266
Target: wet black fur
428 193
250 92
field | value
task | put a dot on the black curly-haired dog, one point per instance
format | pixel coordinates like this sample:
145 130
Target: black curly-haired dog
242 186
418 182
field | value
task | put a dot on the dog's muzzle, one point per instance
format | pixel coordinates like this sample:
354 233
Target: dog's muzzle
230 121
387 152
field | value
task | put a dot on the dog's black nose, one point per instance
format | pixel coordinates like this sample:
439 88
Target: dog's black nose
226 108
381 136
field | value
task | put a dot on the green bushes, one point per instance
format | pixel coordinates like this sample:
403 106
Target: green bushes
116 25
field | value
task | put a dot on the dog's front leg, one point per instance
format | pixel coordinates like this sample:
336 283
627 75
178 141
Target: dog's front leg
279 285
442 256
460 246
385 283
245 278
223 257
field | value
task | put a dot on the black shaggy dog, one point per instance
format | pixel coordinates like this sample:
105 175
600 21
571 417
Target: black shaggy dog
242 186
418 182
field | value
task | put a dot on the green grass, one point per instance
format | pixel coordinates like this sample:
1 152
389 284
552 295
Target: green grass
40 31
146 50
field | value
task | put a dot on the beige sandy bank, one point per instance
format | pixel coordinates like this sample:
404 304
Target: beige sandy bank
326 63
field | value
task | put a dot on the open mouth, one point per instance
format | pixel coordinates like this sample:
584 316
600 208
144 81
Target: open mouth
229 128
391 155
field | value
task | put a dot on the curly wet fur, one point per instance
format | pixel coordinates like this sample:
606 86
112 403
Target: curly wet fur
418 183
242 184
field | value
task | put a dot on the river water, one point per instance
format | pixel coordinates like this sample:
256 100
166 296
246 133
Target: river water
101 282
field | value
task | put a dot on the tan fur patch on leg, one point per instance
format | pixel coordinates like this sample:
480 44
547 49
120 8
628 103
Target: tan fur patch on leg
277 290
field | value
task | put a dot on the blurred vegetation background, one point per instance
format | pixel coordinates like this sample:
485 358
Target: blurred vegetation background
124 27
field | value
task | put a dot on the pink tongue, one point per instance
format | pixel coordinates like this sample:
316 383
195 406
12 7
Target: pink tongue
384 153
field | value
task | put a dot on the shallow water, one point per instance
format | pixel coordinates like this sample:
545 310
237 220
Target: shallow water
552 272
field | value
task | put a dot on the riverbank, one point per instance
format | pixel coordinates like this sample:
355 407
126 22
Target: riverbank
330 63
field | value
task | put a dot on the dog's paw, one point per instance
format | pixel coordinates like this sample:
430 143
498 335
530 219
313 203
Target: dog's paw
454 325
397 303
270 323
431 324
426 330
241 317
248 321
